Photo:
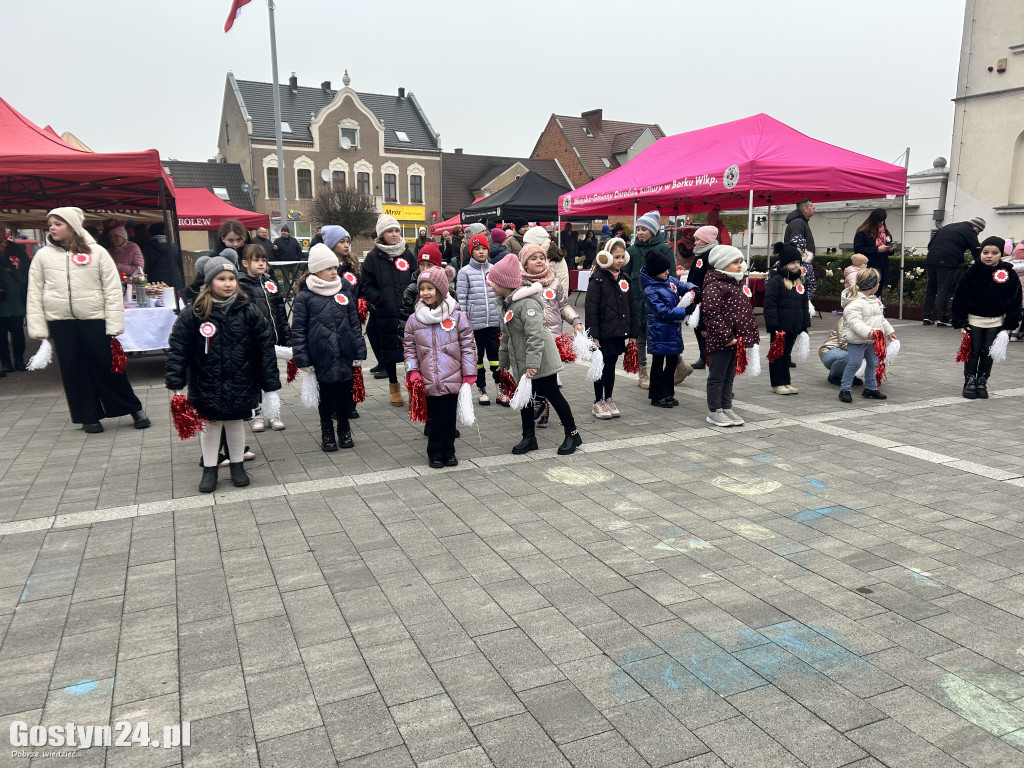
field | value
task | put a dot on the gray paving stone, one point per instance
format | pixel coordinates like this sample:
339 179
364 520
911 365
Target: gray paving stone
654 733
563 712
361 726
267 644
605 750
741 743
400 672
519 742
336 671
207 645
899 747
212 692
432 727
91 656
147 632
146 677
468 758
519 661
311 749
222 740
281 702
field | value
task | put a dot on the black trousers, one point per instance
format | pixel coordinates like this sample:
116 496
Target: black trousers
778 370
92 391
980 362
663 371
15 328
441 417
547 387
603 387
486 345
702 343
335 403
721 374
940 285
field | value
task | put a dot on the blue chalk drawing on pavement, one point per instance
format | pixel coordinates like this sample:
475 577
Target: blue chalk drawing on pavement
81 688
813 515
983 709
816 483
765 458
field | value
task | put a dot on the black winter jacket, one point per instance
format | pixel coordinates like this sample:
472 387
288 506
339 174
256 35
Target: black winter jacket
785 309
637 261
948 244
988 292
157 254
797 224
288 249
610 312
326 334
265 294
266 245
382 286
224 382
864 244
497 252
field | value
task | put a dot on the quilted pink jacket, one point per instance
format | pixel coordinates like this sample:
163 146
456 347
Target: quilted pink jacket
439 344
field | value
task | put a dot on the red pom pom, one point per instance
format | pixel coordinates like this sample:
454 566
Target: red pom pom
506 384
364 311
118 359
964 353
417 399
631 361
741 356
293 370
185 418
778 346
564 344
358 387
880 352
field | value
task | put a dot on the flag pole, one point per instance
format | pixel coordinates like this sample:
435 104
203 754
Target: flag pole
277 122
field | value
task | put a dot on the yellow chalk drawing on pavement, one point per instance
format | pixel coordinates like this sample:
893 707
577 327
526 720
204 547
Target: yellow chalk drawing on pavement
746 487
570 476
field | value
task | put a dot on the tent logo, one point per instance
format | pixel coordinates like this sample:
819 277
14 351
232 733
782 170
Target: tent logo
566 202
731 176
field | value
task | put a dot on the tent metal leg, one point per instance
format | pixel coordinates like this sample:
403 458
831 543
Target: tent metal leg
750 224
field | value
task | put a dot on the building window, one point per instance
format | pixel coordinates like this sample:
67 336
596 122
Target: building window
390 188
348 134
363 183
272 188
402 136
415 189
1016 196
338 179
222 193
305 182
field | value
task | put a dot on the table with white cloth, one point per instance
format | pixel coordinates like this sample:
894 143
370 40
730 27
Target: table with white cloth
147 329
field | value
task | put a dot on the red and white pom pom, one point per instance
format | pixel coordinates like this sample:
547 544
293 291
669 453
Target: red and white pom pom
565 348
596 366
185 418
271 405
310 391
291 370
417 398
464 406
741 357
880 353
364 311
631 360
118 359
687 299
802 347
283 353
583 345
777 347
754 360
358 385
42 357
506 383
810 308
693 318
998 349
963 354
524 394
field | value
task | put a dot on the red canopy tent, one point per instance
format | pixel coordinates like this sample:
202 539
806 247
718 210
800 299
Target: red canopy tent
199 208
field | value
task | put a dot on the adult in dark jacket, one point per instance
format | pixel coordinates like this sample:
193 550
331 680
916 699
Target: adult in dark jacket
874 241
570 244
14 264
421 239
648 240
157 253
387 270
798 223
588 248
497 250
514 242
704 239
264 242
452 247
286 247
945 254
786 308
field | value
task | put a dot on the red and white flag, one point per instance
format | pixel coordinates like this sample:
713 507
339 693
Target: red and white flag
236 11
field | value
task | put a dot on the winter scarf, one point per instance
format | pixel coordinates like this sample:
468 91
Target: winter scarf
323 287
394 251
547 277
433 316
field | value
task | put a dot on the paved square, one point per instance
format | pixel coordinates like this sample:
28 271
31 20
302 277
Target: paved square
827 586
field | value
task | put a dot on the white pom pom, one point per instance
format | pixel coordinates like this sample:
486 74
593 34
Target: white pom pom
754 360
283 353
802 347
583 345
271 405
998 349
892 349
42 358
464 406
860 371
687 299
810 308
693 318
524 394
596 366
310 391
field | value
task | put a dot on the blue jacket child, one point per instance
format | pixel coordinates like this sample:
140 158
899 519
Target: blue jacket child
664 315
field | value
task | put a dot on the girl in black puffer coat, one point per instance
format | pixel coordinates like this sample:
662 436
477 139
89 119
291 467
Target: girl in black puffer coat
786 308
611 320
224 350
326 339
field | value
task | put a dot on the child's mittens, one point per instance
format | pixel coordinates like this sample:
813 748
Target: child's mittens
415 376
471 380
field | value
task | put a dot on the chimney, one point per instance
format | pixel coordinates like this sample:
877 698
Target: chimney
293 83
401 93
326 85
595 119
458 150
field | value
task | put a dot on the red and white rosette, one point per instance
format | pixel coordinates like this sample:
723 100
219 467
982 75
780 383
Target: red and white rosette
803 270
401 265
699 264
341 298
673 287
549 294
747 292
508 316
352 279
800 289
487 281
206 330
1001 275
624 285
448 324
81 259
270 286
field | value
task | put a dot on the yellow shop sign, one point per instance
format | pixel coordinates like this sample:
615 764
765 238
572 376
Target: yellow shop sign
406 212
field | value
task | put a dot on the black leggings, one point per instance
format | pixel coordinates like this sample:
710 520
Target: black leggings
335 403
778 369
486 345
663 372
547 387
441 412
980 362
603 386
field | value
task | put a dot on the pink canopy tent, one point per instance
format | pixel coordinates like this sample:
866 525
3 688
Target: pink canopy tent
753 161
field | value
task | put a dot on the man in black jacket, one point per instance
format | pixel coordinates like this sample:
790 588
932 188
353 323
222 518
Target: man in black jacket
286 247
798 223
945 254
264 242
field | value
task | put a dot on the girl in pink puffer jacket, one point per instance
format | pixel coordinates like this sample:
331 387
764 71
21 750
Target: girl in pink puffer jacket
440 351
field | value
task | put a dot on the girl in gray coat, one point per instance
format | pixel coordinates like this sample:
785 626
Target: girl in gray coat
476 298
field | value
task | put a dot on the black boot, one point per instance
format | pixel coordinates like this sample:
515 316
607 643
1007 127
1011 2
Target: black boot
239 477
328 442
982 386
571 443
845 396
209 481
527 444
345 439
141 420
971 386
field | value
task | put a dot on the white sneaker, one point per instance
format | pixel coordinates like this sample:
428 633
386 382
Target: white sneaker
259 424
247 456
718 419
609 405
600 411
483 399
276 424
225 463
782 389
735 418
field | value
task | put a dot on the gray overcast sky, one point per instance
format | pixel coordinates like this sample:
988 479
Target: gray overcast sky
873 76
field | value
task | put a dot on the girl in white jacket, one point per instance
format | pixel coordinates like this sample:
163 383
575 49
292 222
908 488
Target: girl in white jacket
862 316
